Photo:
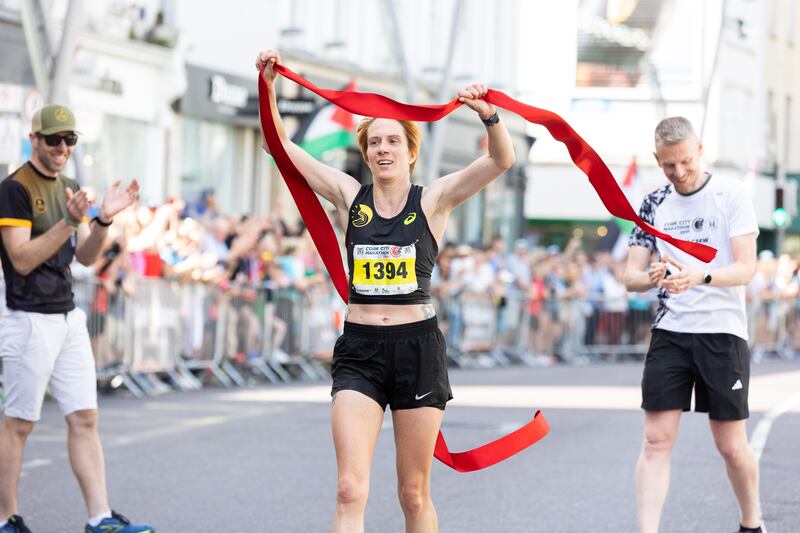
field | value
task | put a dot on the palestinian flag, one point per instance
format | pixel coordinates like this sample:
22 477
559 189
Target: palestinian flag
328 128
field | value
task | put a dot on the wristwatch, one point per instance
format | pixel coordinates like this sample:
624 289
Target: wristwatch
491 121
706 278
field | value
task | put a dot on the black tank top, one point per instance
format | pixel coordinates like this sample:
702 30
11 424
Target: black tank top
390 259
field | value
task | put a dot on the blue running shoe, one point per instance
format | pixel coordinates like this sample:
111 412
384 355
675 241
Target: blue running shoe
118 524
15 525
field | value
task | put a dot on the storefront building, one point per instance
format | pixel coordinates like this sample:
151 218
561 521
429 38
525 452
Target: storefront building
219 143
18 96
120 91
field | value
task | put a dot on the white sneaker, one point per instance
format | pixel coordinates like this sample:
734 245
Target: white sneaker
280 356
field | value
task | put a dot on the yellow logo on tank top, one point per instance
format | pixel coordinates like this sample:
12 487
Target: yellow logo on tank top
363 217
410 218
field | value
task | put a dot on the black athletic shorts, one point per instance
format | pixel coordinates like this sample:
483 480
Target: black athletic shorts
404 366
716 364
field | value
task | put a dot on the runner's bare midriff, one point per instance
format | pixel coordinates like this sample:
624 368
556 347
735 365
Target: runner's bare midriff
388 315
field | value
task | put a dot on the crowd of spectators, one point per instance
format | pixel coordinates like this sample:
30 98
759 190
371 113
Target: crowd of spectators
558 302
563 300
199 243
576 301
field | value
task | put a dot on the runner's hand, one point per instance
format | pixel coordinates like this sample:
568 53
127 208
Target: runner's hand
685 278
265 61
657 272
472 97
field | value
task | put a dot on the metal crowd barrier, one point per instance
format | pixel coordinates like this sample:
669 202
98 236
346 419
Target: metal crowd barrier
774 326
483 330
168 335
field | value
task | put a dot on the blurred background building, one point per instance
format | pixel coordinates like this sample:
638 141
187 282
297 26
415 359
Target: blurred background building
165 92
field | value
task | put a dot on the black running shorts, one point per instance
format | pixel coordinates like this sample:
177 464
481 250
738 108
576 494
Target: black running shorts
403 366
717 365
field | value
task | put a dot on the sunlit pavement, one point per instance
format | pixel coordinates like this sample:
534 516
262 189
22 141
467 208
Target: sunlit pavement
261 459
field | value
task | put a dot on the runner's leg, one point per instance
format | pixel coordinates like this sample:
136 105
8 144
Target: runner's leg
730 436
415 432
356 423
652 469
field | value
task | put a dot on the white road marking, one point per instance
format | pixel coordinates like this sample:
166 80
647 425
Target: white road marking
36 463
765 392
758 439
27 466
178 427
185 425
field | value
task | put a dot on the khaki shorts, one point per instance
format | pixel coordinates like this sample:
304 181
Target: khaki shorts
40 349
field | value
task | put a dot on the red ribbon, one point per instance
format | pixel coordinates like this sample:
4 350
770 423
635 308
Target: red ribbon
583 155
375 105
496 451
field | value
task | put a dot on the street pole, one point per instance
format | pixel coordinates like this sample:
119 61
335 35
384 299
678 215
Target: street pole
714 65
62 66
53 82
437 129
33 43
780 178
396 45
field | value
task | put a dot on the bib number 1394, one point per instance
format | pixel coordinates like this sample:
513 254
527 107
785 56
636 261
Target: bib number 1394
380 269
389 270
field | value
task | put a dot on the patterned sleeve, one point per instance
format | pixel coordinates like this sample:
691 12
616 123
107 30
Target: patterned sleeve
15 205
639 237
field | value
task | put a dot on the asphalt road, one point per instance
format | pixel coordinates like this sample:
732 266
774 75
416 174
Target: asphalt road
261 459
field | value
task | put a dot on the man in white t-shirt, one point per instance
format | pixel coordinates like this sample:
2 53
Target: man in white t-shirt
700 332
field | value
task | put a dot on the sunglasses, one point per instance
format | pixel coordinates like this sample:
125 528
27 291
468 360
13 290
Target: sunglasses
55 139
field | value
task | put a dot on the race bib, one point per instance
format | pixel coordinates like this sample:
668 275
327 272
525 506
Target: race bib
384 269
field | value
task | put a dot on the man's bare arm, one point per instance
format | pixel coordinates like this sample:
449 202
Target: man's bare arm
641 274
27 254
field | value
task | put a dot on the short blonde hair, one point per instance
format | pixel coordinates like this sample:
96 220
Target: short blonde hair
413 138
674 130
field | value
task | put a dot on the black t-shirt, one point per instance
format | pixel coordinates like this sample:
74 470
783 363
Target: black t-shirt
31 199
390 259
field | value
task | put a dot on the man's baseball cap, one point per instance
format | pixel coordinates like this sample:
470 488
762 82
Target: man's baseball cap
53 119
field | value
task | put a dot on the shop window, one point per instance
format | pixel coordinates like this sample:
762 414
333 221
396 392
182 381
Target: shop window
125 149
613 39
208 162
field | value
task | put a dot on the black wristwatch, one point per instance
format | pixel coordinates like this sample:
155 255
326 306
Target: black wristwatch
491 121
101 223
707 278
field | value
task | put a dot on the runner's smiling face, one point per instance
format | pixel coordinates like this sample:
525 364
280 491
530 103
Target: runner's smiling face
681 164
388 155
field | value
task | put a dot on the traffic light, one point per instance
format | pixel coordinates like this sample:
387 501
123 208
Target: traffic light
779 215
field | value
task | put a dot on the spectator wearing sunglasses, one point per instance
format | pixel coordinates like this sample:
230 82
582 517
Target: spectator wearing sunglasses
43 335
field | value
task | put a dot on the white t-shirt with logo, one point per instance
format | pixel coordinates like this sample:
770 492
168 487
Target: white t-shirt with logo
712 215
